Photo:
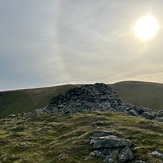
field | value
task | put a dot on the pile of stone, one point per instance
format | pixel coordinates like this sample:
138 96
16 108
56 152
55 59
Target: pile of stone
111 148
86 98
96 97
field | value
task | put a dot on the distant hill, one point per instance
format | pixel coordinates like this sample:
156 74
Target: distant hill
141 93
26 100
138 93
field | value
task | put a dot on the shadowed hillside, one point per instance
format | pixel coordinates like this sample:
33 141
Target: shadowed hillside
138 93
141 93
27 100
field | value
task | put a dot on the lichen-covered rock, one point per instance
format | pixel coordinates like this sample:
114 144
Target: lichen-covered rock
110 141
125 154
157 154
111 148
100 133
148 115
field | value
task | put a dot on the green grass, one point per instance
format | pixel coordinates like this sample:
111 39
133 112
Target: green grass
19 101
64 138
141 93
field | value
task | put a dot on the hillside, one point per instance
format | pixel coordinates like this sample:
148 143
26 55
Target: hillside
63 138
139 93
26 100
88 123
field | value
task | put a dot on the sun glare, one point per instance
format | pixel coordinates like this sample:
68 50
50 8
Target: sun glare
146 28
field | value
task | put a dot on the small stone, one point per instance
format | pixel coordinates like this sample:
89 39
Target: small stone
139 161
87 158
133 112
125 154
148 115
96 153
157 154
100 133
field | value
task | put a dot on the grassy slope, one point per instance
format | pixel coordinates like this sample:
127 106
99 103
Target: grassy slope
63 138
141 93
27 100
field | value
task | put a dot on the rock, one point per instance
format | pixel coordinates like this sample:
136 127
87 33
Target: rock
109 142
39 112
139 110
159 113
12 116
125 154
96 153
139 161
157 154
133 112
112 157
89 97
87 158
160 119
100 133
5 158
109 147
148 115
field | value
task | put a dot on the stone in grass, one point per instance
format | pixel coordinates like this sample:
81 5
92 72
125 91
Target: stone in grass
125 154
109 142
139 161
100 133
157 154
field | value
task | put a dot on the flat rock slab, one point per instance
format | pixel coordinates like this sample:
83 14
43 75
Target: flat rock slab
109 142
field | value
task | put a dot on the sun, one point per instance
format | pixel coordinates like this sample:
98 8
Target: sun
146 28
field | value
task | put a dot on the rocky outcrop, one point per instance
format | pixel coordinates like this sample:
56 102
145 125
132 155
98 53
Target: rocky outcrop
111 148
86 98
96 97
93 97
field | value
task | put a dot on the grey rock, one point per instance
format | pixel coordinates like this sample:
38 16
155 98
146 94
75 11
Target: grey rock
160 119
125 154
133 112
100 133
139 161
139 110
87 158
148 115
112 157
96 153
109 142
86 98
157 154
39 112
159 113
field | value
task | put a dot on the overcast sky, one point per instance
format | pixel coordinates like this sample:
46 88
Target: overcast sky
51 42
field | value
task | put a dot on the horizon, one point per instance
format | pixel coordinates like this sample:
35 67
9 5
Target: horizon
42 87
45 43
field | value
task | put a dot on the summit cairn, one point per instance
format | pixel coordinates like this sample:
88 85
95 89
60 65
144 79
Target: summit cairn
96 97
92 97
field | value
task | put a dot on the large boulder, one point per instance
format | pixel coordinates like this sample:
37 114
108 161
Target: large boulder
111 148
110 141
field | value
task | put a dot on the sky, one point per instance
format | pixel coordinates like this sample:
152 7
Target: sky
54 42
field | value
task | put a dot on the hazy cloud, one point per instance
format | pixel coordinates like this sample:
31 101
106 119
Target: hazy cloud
67 41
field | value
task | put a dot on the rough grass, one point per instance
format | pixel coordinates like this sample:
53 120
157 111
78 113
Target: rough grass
141 93
64 138
20 101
